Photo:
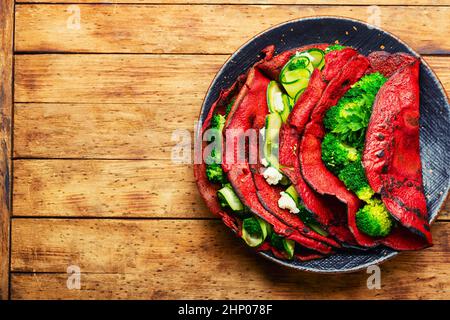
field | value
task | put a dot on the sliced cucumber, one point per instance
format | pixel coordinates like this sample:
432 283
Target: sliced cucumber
289 247
265 227
283 244
317 228
287 108
227 198
316 56
298 61
290 77
293 194
254 231
300 84
273 125
275 95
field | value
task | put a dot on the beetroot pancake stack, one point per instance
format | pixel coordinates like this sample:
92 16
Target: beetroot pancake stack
316 150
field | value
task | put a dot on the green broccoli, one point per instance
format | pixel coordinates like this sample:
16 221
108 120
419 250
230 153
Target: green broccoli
350 117
354 178
218 122
215 174
336 155
214 171
334 47
374 220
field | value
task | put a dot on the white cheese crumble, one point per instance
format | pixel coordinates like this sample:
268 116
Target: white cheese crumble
278 104
272 175
286 202
264 162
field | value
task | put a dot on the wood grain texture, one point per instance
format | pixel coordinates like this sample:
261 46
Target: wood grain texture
86 78
156 259
108 131
98 188
97 129
6 100
108 188
318 2
212 28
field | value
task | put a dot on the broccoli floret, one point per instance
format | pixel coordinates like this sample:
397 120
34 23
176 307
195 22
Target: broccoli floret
214 171
215 174
336 155
374 220
334 47
354 178
218 122
252 227
350 117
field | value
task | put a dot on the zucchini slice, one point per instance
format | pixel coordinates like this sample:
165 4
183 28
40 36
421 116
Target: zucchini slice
254 231
227 198
295 81
287 108
275 100
273 125
283 244
293 194
289 247
316 56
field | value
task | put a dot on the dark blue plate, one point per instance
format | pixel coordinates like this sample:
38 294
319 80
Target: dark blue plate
434 108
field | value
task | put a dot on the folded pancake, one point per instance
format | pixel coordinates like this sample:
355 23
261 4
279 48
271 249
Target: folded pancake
391 158
326 209
250 113
208 190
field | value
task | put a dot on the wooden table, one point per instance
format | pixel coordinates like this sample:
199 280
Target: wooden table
91 92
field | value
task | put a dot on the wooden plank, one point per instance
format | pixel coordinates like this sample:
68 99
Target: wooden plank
106 188
110 188
128 78
110 130
112 78
154 259
318 2
212 28
6 99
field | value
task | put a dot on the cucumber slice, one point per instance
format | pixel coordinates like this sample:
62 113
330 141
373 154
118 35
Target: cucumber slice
254 231
283 244
289 247
298 61
290 77
294 88
318 229
316 56
275 100
265 227
273 125
227 198
287 108
293 194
